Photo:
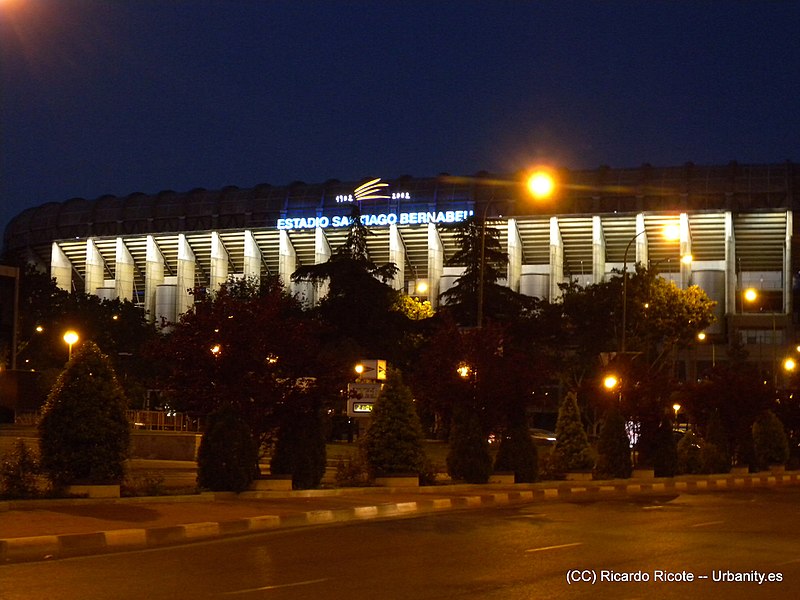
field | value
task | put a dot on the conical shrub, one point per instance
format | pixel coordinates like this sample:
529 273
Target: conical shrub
84 433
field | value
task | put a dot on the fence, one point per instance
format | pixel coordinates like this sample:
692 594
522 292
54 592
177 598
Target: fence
139 419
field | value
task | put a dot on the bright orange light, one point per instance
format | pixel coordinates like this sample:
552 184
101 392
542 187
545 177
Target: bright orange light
422 287
70 337
687 259
359 369
701 336
789 364
672 232
750 294
216 349
610 382
541 184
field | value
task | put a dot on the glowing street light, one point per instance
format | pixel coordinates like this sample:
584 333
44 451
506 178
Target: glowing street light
677 408
70 337
789 364
610 382
751 294
541 184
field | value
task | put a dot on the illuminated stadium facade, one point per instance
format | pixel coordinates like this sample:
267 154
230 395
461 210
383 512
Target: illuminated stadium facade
735 222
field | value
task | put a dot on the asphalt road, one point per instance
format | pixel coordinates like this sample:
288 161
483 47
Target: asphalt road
520 552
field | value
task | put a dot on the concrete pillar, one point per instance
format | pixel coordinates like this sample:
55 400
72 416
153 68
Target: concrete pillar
598 250
787 266
94 273
686 250
252 257
219 263
514 256
435 264
556 259
153 276
322 254
731 280
641 242
185 275
60 268
123 271
287 259
397 255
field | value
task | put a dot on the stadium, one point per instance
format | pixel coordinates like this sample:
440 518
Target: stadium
735 224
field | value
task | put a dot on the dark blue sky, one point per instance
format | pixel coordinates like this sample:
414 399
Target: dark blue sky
102 96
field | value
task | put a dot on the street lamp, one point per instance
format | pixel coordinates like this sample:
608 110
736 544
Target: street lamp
610 382
70 337
677 408
672 233
540 184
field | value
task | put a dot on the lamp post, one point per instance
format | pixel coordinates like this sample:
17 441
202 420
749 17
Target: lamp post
540 185
70 337
672 233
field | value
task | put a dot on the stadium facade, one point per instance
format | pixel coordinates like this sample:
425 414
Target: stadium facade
735 221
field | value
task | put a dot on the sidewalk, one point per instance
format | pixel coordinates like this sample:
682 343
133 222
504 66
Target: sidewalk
48 529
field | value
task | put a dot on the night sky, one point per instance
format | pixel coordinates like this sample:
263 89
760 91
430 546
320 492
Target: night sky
122 96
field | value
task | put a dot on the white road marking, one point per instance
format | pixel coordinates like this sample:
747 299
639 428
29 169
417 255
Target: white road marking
707 524
555 547
276 587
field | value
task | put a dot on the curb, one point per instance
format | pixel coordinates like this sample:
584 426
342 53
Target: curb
47 547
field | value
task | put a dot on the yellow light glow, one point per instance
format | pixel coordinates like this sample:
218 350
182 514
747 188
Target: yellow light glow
687 259
359 369
541 184
789 364
750 294
701 336
672 231
70 337
463 370
39 329
676 407
216 349
422 287
610 382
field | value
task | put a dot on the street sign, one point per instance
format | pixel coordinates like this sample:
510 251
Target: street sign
361 398
372 368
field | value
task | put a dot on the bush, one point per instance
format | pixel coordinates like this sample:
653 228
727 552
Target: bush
769 440
84 434
690 460
300 448
613 448
351 472
658 449
393 442
227 459
18 472
517 453
468 458
714 454
572 451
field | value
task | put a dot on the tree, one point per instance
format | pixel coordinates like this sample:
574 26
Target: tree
227 459
714 454
690 453
571 451
517 453
769 440
613 448
300 444
359 305
468 457
244 347
393 443
480 254
18 470
84 433
119 328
